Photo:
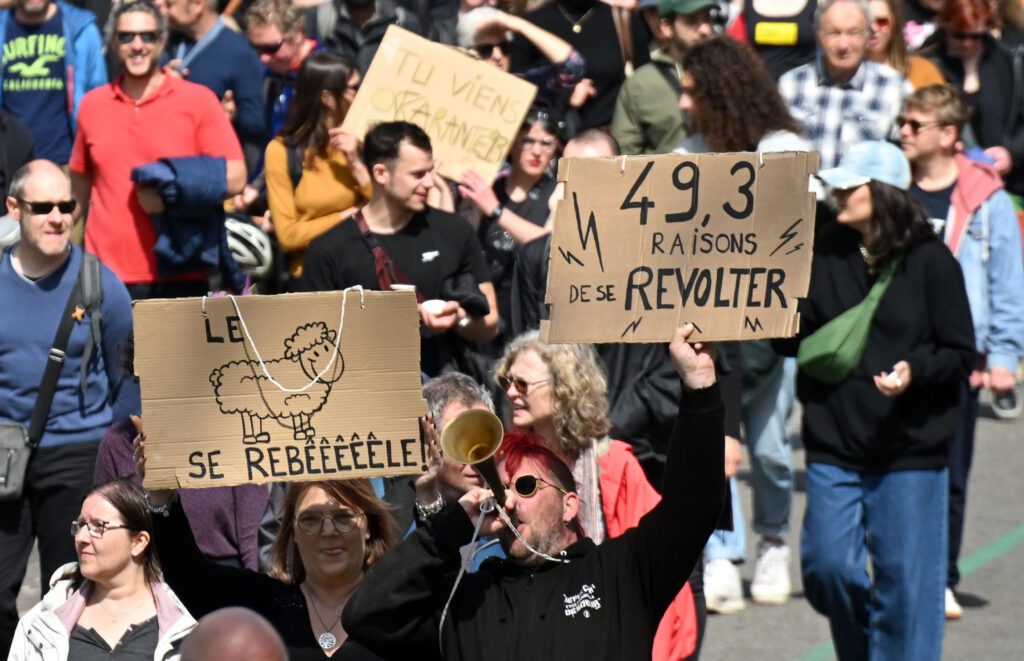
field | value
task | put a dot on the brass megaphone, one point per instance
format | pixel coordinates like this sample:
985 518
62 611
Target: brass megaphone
472 438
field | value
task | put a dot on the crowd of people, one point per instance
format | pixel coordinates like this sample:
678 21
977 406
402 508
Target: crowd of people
178 147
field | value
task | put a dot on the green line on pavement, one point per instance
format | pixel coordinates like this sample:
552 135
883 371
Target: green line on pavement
992 551
984 556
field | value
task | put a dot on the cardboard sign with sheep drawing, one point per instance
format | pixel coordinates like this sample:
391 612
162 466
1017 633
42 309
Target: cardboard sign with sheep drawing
279 388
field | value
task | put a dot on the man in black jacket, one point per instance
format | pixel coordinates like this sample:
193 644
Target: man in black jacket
591 602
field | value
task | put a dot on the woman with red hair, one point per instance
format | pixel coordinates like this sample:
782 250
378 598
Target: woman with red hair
973 61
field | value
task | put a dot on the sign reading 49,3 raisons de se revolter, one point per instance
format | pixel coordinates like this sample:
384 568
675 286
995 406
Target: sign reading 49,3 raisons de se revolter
643 244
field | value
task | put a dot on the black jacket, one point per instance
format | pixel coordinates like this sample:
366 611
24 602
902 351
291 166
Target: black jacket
604 604
998 116
15 149
924 319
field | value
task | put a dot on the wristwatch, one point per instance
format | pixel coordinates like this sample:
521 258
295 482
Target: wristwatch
496 213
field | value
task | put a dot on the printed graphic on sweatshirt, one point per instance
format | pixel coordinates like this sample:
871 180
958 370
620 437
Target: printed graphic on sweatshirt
34 63
585 601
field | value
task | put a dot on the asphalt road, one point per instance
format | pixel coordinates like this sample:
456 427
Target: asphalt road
992 563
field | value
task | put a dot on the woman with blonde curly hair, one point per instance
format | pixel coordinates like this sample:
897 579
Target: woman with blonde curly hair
558 392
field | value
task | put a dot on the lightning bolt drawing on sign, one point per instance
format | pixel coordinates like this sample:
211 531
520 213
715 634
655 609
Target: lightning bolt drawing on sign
786 237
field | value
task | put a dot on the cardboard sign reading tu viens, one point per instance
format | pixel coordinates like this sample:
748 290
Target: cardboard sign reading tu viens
279 388
642 245
471 110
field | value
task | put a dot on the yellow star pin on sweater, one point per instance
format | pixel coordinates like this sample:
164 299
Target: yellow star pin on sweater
79 313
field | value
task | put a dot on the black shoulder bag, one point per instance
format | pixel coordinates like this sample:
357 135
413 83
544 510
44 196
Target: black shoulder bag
18 444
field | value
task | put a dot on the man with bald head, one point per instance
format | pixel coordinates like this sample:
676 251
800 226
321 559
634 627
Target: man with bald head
37 278
233 634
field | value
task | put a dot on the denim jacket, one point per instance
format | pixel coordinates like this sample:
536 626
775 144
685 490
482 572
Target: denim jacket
983 232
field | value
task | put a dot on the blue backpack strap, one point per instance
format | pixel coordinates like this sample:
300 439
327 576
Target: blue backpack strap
92 298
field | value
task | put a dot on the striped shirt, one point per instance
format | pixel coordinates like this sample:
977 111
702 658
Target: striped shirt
837 116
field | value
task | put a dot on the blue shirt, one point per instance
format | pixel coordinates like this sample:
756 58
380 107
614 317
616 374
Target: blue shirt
31 314
35 86
227 62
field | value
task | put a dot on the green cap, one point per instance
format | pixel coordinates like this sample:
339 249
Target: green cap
684 7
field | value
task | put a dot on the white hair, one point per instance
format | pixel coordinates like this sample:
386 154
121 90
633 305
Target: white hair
825 5
470 23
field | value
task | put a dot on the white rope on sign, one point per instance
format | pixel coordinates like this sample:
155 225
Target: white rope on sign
334 354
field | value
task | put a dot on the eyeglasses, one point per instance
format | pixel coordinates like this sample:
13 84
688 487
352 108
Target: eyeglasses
527 485
148 37
486 50
267 49
967 36
43 208
521 384
881 21
546 145
95 528
915 126
312 523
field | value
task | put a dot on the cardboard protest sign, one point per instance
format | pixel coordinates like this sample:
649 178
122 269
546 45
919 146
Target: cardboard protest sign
471 110
279 388
644 244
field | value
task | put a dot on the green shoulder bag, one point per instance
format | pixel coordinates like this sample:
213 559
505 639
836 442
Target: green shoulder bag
831 352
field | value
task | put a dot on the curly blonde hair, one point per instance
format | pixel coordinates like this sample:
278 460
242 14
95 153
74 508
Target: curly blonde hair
579 387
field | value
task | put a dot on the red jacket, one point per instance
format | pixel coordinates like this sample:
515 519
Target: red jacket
626 496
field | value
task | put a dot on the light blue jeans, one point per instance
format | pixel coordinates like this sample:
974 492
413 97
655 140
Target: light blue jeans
898 522
771 464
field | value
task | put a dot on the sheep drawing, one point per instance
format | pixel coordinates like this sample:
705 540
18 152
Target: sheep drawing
242 387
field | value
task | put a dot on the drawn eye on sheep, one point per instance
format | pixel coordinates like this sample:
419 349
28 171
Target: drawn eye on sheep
241 386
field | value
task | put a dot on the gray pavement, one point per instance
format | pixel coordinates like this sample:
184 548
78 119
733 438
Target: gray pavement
992 563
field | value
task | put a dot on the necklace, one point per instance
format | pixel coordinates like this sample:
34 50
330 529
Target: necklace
327 639
869 259
577 26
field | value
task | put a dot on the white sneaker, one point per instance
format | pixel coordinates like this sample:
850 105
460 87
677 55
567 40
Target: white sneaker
953 609
723 590
771 574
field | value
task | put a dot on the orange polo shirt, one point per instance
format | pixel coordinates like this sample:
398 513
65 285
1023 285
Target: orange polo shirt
117 133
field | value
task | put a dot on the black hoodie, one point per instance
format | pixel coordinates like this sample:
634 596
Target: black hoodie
606 603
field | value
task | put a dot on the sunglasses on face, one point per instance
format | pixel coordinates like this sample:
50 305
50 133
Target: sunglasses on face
521 384
95 528
881 21
915 126
312 523
148 37
527 485
43 208
485 50
267 49
968 36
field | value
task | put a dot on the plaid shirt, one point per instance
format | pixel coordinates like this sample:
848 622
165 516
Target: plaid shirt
837 116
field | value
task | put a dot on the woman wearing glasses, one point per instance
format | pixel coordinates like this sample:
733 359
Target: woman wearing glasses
887 45
315 177
515 210
113 598
331 532
557 394
973 61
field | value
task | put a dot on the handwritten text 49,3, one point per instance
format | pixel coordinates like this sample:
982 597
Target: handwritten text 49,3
686 178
